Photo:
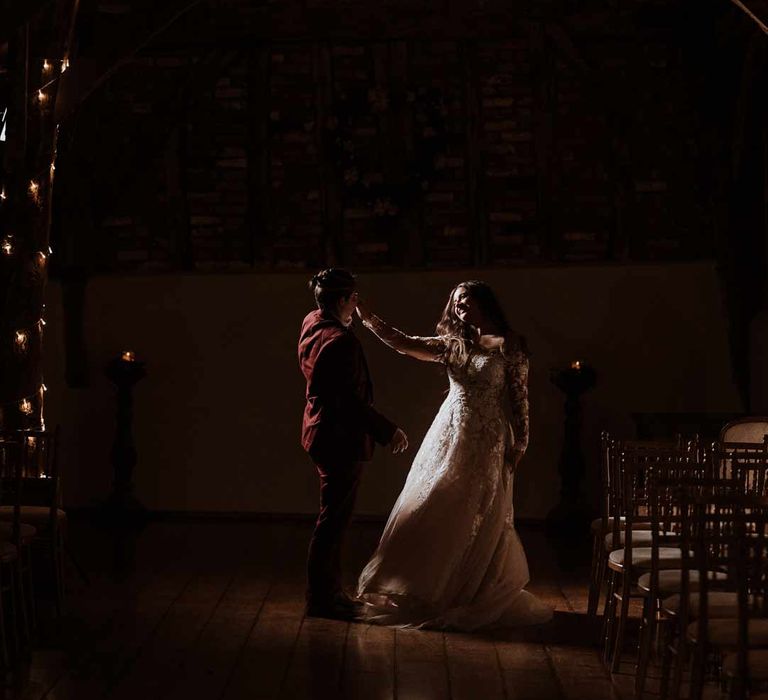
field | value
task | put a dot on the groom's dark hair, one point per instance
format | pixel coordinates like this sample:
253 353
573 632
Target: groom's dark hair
331 285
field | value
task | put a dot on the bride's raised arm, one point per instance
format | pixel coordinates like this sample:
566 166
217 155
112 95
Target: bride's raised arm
427 349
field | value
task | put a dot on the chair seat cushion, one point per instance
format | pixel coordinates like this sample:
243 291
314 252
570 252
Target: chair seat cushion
26 532
34 515
719 604
757 661
724 632
640 538
670 580
669 558
597 525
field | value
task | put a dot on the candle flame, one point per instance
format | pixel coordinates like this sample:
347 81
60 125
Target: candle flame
576 364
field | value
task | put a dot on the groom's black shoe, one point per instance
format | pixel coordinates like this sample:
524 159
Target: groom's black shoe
339 607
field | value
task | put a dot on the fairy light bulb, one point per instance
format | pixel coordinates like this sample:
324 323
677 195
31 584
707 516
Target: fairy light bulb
3 196
47 66
25 406
7 246
64 64
34 191
41 96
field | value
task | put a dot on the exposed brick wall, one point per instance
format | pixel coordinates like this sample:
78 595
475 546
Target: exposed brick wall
446 148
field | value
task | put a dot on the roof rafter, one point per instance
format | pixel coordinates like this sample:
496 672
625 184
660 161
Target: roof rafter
756 9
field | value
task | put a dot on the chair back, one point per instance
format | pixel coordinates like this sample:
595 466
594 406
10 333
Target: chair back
635 464
753 429
29 474
731 536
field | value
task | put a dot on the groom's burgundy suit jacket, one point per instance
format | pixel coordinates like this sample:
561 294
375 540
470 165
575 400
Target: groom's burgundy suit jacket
340 422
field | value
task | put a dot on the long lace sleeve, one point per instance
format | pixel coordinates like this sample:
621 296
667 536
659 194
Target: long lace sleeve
517 383
422 348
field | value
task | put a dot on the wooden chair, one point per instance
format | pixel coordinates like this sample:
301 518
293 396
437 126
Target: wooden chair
14 597
636 552
733 473
35 505
750 430
732 534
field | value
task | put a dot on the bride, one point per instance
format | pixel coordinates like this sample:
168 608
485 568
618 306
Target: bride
449 556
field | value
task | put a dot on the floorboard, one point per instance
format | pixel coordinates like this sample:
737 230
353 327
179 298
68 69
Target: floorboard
186 610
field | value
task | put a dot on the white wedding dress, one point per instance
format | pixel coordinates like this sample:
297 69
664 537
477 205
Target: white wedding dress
449 556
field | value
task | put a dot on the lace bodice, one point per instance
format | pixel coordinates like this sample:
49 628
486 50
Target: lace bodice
492 381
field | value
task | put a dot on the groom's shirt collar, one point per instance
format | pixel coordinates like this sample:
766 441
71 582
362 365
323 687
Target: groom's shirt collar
332 318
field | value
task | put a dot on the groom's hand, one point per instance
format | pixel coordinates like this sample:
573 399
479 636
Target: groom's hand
399 442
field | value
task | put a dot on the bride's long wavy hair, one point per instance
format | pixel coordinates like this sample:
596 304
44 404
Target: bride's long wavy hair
460 337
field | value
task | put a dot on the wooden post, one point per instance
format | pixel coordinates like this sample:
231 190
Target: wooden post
25 209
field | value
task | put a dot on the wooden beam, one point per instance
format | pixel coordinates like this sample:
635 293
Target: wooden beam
87 74
17 16
756 9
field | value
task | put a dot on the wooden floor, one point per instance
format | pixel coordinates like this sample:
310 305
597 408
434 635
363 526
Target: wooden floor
215 610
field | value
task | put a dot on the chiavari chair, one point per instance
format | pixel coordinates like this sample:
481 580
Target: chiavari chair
731 534
13 596
635 552
602 527
732 472
34 503
745 430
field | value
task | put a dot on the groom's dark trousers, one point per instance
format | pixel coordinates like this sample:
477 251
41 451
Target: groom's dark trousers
339 430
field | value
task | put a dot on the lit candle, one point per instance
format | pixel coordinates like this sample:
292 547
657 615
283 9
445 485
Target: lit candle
41 97
576 364
128 356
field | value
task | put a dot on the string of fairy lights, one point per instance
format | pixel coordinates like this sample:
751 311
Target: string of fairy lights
21 337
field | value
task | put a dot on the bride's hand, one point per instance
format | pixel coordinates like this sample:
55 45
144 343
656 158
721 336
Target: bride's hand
362 310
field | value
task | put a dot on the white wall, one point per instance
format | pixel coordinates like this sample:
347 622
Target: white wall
217 418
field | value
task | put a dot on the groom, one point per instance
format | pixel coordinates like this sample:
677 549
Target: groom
339 430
